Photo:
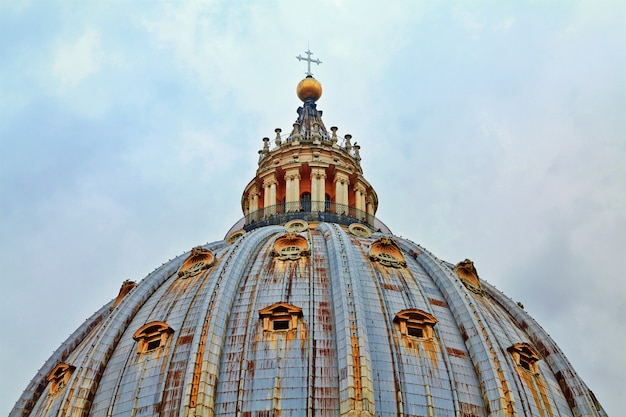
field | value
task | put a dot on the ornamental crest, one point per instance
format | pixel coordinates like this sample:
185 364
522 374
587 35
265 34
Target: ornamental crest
385 251
466 271
290 247
199 260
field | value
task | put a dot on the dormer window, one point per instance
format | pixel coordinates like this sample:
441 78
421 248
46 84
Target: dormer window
415 324
152 336
59 377
525 356
280 317
233 237
359 230
415 331
296 226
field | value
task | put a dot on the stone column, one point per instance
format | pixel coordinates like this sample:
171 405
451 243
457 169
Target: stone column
295 188
287 192
253 205
314 191
292 197
269 198
318 189
357 197
341 191
321 189
273 194
338 194
369 206
359 191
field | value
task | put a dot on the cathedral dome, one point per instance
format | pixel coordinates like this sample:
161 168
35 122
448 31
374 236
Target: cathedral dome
309 306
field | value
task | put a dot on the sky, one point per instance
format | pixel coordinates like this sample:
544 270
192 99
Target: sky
494 131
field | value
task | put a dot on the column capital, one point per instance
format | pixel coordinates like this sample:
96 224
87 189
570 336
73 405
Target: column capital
341 176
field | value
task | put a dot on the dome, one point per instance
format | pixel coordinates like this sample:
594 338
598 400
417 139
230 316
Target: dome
310 304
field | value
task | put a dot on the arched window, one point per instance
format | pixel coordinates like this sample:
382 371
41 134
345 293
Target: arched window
152 336
305 202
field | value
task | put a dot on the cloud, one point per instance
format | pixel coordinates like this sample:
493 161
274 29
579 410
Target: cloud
76 60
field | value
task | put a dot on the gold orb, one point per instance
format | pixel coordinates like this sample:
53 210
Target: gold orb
309 88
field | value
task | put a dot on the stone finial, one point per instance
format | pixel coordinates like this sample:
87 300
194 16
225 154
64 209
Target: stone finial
333 138
277 141
315 135
124 290
266 145
348 144
296 136
357 155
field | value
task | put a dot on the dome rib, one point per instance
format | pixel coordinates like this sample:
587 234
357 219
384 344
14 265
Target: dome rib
356 380
577 394
37 385
494 385
210 359
88 373
427 304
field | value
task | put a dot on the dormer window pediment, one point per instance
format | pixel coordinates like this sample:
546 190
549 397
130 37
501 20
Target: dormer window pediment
415 324
525 356
280 317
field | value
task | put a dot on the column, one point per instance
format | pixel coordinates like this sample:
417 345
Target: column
315 205
273 193
357 198
287 192
295 187
341 191
322 188
344 197
369 206
338 194
292 190
269 198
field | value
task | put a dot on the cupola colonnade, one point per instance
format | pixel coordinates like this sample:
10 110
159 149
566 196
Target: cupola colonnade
311 171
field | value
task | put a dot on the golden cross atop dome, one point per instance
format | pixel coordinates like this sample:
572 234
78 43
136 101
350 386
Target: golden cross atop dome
308 60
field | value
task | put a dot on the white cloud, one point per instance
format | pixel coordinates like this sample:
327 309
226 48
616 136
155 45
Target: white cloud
76 60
